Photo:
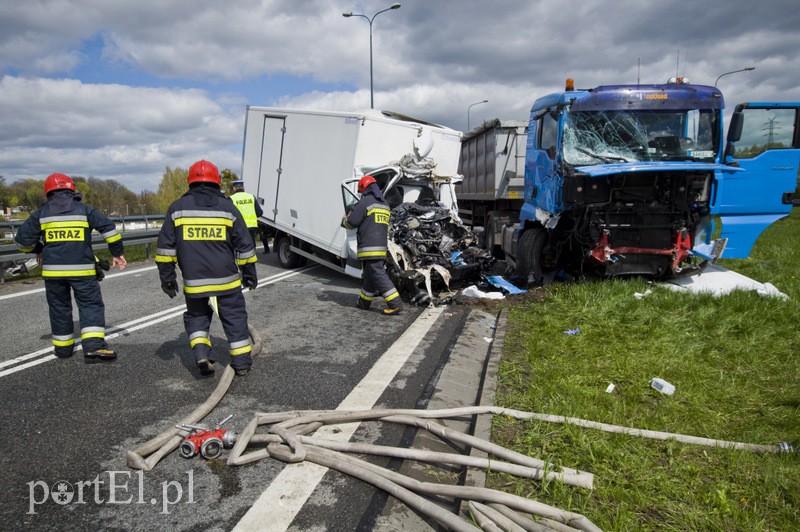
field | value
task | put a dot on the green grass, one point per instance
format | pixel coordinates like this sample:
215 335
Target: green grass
733 361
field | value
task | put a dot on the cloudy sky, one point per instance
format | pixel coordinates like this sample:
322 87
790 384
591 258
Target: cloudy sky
123 89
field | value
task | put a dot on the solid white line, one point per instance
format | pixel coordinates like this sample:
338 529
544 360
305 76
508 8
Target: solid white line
108 276
277 507
117 330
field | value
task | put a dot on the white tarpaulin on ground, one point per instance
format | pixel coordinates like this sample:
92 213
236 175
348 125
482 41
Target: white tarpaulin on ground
720 281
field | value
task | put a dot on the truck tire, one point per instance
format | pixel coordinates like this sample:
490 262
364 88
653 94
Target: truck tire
529 255
286 257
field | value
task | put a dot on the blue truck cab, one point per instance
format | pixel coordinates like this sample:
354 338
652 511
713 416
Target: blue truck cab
629 179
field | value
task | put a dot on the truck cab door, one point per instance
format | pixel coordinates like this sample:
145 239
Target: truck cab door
764 141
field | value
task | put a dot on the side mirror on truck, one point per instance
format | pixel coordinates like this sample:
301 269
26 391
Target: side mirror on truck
735 128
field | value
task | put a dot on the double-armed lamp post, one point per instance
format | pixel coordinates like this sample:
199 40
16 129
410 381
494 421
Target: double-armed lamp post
347 15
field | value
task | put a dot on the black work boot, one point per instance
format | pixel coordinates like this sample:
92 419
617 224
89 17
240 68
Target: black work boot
103 354
394 306
362 303
63 352
206 366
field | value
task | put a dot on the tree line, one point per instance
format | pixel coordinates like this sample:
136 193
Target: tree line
107 195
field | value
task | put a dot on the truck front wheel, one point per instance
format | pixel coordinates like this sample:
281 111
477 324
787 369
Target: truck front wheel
529 255
286 257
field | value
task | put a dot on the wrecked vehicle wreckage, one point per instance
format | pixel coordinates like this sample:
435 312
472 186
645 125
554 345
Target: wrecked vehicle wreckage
430 248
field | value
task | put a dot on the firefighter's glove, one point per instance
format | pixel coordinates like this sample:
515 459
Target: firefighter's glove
170 288
249 280
99 266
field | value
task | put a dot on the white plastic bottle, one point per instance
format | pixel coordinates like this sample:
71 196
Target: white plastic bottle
662 386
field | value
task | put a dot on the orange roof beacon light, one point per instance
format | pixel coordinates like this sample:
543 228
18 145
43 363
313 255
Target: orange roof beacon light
570 84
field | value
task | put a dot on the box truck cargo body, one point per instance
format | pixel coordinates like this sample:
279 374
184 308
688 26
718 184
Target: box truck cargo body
303 167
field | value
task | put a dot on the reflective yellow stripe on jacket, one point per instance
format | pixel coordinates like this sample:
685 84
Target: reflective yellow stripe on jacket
68 270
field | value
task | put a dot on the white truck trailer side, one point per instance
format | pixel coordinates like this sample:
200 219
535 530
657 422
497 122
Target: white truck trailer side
300 164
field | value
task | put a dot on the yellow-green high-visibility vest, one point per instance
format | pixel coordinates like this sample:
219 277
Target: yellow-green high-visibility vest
246 203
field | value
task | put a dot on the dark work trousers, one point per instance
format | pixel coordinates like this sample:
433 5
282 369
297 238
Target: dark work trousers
91 312
375 282
232 314
257 232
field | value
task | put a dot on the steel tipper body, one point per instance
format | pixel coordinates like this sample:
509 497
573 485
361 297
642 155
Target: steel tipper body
493 168
626 179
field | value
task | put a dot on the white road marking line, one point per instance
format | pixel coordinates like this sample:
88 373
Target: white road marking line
117 330
108 276
277 507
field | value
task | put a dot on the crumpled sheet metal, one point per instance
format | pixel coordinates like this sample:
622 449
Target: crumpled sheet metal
430 238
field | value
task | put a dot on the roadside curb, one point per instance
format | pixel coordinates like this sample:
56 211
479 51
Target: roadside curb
467 379
483 423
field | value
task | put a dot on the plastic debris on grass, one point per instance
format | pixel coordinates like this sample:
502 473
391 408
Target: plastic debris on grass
719 281
473 292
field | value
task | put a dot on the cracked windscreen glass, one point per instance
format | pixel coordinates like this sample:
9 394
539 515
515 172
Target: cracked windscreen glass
601 137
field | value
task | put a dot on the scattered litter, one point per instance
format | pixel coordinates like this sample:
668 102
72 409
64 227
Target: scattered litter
641 295
662 386
572 332
502 284
719 281
448 314
474 292
488 340
610 388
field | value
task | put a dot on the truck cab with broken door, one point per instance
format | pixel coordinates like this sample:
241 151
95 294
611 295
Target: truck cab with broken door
628 179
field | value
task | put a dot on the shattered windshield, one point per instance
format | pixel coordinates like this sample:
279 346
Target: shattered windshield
599 137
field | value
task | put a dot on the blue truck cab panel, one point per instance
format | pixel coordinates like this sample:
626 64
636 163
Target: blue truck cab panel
627 178
764 142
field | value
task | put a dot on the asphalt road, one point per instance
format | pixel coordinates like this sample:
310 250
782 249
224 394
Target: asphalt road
66 425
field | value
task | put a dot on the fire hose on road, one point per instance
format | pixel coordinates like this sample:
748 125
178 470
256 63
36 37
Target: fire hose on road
147 455
310 436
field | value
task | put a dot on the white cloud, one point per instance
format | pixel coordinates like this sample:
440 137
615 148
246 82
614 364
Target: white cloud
111 130
164 84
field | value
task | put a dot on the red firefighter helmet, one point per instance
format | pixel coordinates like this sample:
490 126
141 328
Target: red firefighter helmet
203 171
364 182
56 182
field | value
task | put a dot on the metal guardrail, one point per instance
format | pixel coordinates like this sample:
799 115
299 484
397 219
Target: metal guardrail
10 253
150 221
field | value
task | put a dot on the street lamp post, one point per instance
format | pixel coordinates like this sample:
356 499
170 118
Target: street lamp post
347 15
734 72
470 107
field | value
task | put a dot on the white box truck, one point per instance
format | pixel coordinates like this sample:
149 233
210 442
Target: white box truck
303 167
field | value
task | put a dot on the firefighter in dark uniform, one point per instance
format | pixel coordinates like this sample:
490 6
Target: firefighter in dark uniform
206 236
370 215
60 233
251 210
